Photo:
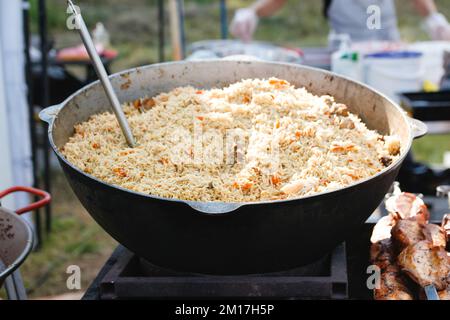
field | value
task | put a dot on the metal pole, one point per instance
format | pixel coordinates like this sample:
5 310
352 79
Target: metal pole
45 94
223 19
103 76
182 28
32 123
161 24
175 29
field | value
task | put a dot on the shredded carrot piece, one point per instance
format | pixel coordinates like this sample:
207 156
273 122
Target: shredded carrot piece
137 103
247 186
149 103
354 177
163 161
275 180
279 84
336 148
120 172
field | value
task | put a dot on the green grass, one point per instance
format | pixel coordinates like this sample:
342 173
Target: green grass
431 148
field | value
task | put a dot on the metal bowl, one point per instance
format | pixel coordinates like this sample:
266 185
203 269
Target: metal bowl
230 238
16 242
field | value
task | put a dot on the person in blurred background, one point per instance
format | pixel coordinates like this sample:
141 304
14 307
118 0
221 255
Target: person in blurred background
348 17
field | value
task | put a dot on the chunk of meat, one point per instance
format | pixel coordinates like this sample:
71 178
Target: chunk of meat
386 161
382 254
407 205
407 232
435 234
347 123
382 229
339 109
293 187
425 264
392 145
446 226
296 186
392 286
444 294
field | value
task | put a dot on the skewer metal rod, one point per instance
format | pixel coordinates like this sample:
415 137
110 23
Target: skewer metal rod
103 76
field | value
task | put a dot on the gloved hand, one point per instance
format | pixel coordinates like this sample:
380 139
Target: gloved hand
244 24
437 27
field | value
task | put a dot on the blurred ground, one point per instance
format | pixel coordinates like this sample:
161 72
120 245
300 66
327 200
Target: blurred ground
76 238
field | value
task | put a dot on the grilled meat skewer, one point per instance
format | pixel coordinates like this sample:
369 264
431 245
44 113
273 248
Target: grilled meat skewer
426 264
410 231
392 286
404 205
392 283
382 229
407 232
382 254
444 294
435 234
446 227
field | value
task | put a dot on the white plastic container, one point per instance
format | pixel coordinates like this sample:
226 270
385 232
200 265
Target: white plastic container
433 58
347 64
394 72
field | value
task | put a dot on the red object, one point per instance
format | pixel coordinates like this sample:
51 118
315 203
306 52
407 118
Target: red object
79 53
44 195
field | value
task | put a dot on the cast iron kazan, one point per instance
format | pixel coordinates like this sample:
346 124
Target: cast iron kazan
229 238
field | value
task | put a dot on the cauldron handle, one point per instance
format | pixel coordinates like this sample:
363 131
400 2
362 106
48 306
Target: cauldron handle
40 193
419 128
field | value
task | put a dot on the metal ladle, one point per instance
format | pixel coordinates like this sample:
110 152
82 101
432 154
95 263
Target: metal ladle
103 76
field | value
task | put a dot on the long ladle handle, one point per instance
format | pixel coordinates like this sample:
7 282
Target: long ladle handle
103 76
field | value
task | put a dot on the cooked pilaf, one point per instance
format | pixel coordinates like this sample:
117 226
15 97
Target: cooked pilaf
292 143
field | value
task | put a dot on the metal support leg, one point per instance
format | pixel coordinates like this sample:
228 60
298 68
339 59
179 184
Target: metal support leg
14 287
32 122
45 95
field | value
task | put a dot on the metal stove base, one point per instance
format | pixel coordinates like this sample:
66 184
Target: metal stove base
126 276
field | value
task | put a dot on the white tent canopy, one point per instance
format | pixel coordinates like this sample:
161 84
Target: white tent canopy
16 168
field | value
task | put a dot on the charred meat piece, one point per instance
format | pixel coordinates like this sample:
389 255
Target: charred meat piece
382 229
392 286
425 264
386 161
446 226
407 205
435 234
382 254
407 232
444 294
347 123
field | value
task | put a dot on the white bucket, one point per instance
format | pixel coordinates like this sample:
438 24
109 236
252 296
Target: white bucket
394 72
433 58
